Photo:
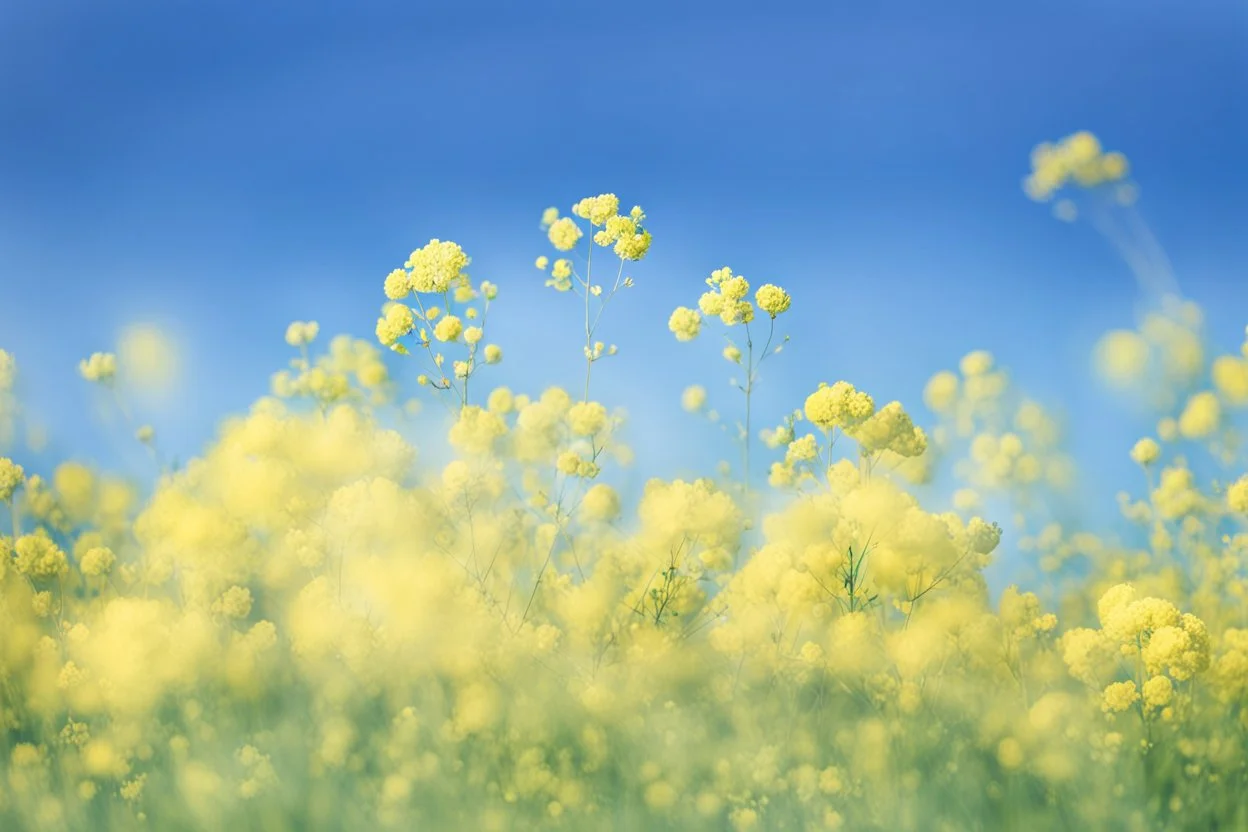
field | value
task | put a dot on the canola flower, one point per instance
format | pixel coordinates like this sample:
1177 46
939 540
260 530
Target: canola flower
624 234
728 300
312 626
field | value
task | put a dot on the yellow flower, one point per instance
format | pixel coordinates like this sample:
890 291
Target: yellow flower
1146 452
633 245
437 266
1230 376
39 557
397 322
97 561
235 602
1122 357
398 285
132 790
734 289
1158 691
1201 416
301 333
448 329
976 363
685 323
941 392
565 234
889 429
805 449
711 303
587 418
1114 166
597 209
11 478
600 502
838 406
101 367
1119 696
561 275
772 299
1236 495
693 398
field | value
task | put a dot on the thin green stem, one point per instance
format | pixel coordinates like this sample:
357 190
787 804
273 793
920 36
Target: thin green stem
589 332
749 389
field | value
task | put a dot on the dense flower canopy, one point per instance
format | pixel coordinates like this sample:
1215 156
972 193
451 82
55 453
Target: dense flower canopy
313 625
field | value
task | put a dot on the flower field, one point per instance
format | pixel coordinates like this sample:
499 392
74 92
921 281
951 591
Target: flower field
312 625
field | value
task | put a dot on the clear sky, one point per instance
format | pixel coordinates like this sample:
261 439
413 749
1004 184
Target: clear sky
223 168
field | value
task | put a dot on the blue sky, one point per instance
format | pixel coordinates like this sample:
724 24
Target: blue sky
224 168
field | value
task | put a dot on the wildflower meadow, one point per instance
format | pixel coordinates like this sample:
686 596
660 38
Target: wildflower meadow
325 621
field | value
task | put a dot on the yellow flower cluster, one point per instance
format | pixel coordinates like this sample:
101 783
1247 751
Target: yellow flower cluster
434 269
693 398
302 333
1007 444
352 368
772 299
97 561
1119 696
1161 357
438 269
1022 614
1145 452
631 242
1236 495
726 298
978 390
565 234
838 406
1230 377
99 367
1078 158
396 322
38 556
1152 637
11 478
685 323
623 231
888 429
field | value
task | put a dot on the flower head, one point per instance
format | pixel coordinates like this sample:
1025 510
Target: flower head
772 299
685 323
101 367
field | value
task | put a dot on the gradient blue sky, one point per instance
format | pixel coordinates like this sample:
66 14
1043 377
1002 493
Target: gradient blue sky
223 168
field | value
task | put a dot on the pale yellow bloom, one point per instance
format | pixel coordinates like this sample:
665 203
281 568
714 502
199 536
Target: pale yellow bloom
685 323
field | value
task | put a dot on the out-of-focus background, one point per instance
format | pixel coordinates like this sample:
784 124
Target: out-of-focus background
219 169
